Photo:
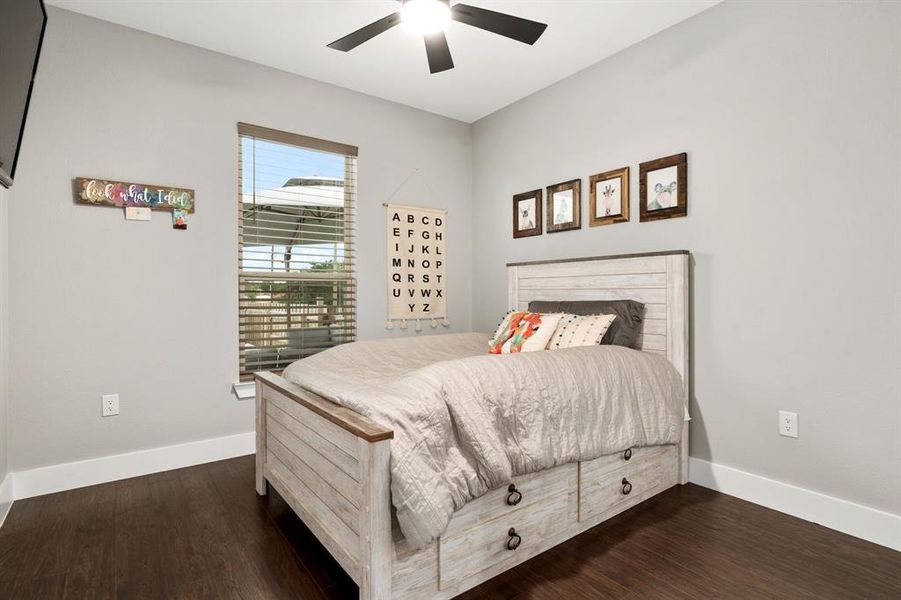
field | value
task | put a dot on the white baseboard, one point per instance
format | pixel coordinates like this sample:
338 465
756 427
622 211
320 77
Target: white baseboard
860 521
6 497
68 476
854 519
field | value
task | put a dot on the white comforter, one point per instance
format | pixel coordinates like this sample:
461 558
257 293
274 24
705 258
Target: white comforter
466 421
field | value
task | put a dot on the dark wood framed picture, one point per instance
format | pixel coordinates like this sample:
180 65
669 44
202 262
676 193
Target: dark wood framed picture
564 206
663 188
608 197
527 214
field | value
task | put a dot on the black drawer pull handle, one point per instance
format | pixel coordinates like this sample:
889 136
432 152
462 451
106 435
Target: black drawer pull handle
627 487
627 455
514 541
514 496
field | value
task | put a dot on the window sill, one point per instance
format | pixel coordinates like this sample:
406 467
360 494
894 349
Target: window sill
244 390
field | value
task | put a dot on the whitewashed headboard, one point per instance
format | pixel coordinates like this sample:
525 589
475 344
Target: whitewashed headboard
660 280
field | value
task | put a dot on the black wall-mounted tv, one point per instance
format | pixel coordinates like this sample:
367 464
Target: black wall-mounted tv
22 24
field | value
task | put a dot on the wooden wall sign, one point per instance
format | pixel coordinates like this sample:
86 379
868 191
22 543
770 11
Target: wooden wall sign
100 192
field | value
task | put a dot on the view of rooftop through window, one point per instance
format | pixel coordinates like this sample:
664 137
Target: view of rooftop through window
293 200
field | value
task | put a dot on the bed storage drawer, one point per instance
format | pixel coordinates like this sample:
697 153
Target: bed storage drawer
609 486
521 492
632 456
507 540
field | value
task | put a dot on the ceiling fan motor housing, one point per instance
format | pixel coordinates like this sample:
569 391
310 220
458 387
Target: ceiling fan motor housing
426 16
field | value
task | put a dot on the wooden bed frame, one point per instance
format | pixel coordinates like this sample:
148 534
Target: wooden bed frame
331 464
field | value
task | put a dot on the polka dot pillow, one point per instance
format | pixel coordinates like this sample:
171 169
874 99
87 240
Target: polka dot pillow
580 330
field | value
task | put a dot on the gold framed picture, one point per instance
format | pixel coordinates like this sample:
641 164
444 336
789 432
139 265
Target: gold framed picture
608 197
564 206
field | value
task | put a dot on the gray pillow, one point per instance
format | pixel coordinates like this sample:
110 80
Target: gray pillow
625 327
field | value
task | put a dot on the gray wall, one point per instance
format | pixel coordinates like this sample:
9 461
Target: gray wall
791 118
102 305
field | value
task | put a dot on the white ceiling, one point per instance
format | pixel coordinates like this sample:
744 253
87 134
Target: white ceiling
491 71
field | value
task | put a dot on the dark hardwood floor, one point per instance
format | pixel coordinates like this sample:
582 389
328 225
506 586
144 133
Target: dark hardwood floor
202 532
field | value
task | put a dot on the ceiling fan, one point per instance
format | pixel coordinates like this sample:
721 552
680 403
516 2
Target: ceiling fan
431 17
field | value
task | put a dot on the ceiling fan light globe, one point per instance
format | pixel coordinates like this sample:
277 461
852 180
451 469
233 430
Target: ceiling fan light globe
425 16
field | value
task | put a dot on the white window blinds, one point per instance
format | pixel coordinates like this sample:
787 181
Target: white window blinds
296 287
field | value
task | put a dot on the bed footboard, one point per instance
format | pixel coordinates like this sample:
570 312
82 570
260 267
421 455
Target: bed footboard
331 465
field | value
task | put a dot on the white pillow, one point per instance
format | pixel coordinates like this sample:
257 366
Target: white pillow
580 330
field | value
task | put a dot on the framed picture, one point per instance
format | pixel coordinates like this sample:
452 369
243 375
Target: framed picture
608 197
564 206
663 188
527 214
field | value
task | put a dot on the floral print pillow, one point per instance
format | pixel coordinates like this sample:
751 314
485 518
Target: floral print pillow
523 332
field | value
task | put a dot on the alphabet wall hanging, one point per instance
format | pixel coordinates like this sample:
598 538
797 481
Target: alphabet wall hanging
416 266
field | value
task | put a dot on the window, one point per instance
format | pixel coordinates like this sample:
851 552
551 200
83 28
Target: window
296 288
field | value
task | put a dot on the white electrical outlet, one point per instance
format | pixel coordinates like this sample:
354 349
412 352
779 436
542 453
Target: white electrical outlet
109 405
788 424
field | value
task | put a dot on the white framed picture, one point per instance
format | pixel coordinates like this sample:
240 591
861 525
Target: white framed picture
527 214
611 195
662 188
563 207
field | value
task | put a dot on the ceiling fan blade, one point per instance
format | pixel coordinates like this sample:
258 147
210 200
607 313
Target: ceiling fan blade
437 50
364 34
521 30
